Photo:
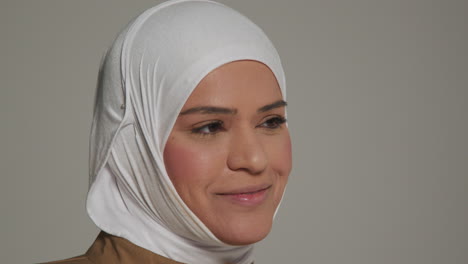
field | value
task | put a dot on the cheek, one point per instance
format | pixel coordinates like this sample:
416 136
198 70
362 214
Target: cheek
187 165
281 156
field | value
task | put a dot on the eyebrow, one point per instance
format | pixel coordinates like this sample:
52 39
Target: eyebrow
274 105
209 110
230 111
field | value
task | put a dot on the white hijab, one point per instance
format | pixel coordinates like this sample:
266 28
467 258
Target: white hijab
145 78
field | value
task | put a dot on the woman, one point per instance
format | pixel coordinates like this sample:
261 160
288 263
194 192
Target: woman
190 153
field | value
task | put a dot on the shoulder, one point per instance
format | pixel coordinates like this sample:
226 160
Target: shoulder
75 260
108 248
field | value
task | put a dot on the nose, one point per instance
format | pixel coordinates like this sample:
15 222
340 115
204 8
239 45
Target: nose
247 152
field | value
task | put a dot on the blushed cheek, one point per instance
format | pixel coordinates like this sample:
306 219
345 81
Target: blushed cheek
178 161
283 157
185 164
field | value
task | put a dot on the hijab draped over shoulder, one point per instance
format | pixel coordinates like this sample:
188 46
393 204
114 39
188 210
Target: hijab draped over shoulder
144 80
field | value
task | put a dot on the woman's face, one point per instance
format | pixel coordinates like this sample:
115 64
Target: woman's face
229 152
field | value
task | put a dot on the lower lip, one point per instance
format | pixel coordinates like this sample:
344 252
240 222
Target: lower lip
248 199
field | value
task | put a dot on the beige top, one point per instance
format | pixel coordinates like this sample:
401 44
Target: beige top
112 249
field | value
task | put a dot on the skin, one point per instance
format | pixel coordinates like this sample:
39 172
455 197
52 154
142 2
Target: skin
230 138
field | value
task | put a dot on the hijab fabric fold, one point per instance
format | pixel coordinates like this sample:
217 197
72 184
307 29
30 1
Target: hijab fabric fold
144 80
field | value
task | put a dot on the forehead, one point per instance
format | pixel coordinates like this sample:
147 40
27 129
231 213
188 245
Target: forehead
236 84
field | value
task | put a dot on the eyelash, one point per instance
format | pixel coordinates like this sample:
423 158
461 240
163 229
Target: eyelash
277 121
270 124
218 125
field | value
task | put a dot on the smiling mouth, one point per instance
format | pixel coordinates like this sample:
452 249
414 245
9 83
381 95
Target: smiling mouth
246 191
248 196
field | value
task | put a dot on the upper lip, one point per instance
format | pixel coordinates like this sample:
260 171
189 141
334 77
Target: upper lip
246 189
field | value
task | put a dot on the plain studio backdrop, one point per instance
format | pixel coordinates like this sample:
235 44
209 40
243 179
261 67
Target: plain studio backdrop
378 112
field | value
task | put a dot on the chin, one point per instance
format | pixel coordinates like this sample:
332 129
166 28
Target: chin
244 231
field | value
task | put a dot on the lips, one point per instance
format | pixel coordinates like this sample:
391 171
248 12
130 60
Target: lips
249 196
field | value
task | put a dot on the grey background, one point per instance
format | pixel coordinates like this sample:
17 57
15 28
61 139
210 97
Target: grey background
378 94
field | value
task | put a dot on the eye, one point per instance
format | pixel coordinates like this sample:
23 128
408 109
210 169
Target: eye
209 128
273 122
